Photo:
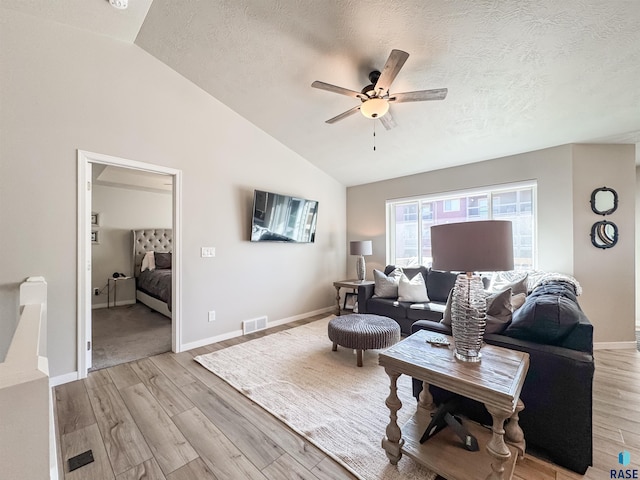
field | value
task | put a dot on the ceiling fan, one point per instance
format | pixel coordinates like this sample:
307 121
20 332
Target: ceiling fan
376 98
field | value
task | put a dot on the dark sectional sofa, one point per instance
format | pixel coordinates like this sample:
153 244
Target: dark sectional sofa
553 330
438 284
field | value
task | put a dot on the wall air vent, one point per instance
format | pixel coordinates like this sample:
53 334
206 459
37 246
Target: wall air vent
254 325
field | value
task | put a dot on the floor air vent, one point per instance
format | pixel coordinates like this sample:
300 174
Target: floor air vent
253 325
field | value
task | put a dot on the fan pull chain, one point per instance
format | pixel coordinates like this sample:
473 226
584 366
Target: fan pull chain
374 135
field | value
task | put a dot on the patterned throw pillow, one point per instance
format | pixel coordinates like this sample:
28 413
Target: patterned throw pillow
386 286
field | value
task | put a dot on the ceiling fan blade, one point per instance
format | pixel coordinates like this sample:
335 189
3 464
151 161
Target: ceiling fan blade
390 71
344 115
419 96
343 91
388 121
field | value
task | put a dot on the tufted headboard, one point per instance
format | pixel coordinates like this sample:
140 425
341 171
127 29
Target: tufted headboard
150 240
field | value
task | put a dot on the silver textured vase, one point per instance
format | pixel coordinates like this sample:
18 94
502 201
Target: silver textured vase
468 317
361 270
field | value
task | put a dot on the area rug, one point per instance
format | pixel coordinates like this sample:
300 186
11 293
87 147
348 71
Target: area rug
322 395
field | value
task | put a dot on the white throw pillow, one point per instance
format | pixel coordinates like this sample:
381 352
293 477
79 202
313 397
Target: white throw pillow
386 286
148 262
413 290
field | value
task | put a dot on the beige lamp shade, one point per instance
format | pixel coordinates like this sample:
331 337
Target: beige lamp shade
484 246
361 247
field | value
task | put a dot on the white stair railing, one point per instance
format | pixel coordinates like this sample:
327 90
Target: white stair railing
25 397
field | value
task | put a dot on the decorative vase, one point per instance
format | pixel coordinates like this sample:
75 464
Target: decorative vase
468 317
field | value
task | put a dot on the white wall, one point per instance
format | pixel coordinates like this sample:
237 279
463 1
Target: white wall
122 210
607 276
63 89
565 175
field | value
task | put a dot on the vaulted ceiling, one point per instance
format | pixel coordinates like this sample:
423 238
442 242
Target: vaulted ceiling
521 75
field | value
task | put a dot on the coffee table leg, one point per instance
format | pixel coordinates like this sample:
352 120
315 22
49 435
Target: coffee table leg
393 441
425 399
513 433
338 300
496 446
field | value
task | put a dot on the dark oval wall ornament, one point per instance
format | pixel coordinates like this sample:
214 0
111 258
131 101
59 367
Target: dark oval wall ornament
604 201
604 234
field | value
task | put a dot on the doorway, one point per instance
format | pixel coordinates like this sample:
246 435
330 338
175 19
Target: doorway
87 161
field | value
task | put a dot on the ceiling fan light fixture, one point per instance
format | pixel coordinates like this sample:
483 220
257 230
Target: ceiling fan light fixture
374 108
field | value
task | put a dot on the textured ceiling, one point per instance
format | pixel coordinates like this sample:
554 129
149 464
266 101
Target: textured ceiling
522 75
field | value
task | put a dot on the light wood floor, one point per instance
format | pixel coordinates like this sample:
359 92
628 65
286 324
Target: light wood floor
166 417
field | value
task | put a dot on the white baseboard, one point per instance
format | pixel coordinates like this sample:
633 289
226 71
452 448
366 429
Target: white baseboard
62 379
238 333
615 345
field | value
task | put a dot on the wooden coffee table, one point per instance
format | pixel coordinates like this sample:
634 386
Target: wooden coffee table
496 381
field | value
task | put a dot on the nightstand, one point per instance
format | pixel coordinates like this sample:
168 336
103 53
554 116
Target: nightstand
115 289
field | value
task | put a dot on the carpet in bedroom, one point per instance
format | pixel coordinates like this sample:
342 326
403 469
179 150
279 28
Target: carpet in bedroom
126 333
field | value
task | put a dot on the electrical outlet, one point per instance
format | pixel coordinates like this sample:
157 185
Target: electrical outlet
96 291
212 315
208 252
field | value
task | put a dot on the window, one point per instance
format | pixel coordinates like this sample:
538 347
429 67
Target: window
409 221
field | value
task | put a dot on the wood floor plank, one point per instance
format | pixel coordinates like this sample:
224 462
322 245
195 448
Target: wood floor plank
97 378
194 470
123 441
169 447
328 469
286 468
73 407
223 458
173 370
123 376
147 470
79 441
167 394
255 444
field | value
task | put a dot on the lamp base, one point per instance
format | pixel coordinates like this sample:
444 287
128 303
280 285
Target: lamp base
361 270
468 318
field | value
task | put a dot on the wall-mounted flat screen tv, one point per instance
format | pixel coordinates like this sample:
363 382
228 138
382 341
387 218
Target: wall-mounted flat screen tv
281 218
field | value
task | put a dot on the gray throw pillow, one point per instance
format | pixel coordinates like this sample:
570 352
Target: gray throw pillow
386 286
498 311
163 260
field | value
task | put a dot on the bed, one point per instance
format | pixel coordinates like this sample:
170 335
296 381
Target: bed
153 286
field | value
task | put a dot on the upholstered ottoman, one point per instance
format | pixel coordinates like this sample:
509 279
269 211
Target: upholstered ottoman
363 332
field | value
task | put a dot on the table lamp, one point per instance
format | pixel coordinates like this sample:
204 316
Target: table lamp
484 246
361 248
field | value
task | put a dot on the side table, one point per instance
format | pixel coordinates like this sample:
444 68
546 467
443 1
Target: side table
115 289
352 284
496 381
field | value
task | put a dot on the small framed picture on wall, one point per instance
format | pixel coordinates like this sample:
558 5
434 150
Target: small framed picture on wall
95 237
95 219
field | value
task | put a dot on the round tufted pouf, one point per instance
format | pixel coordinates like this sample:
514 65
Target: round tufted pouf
363 332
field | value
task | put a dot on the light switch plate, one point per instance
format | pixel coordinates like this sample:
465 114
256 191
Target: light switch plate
207 252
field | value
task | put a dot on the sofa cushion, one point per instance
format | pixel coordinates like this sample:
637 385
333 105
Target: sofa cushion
386 286
515 280
387 307
439 284
412 290
426 311
446 314
547 316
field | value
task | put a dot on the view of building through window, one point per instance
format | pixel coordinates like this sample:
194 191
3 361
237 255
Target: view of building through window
410 221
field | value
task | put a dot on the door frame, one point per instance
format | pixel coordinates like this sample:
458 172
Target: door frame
85 159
